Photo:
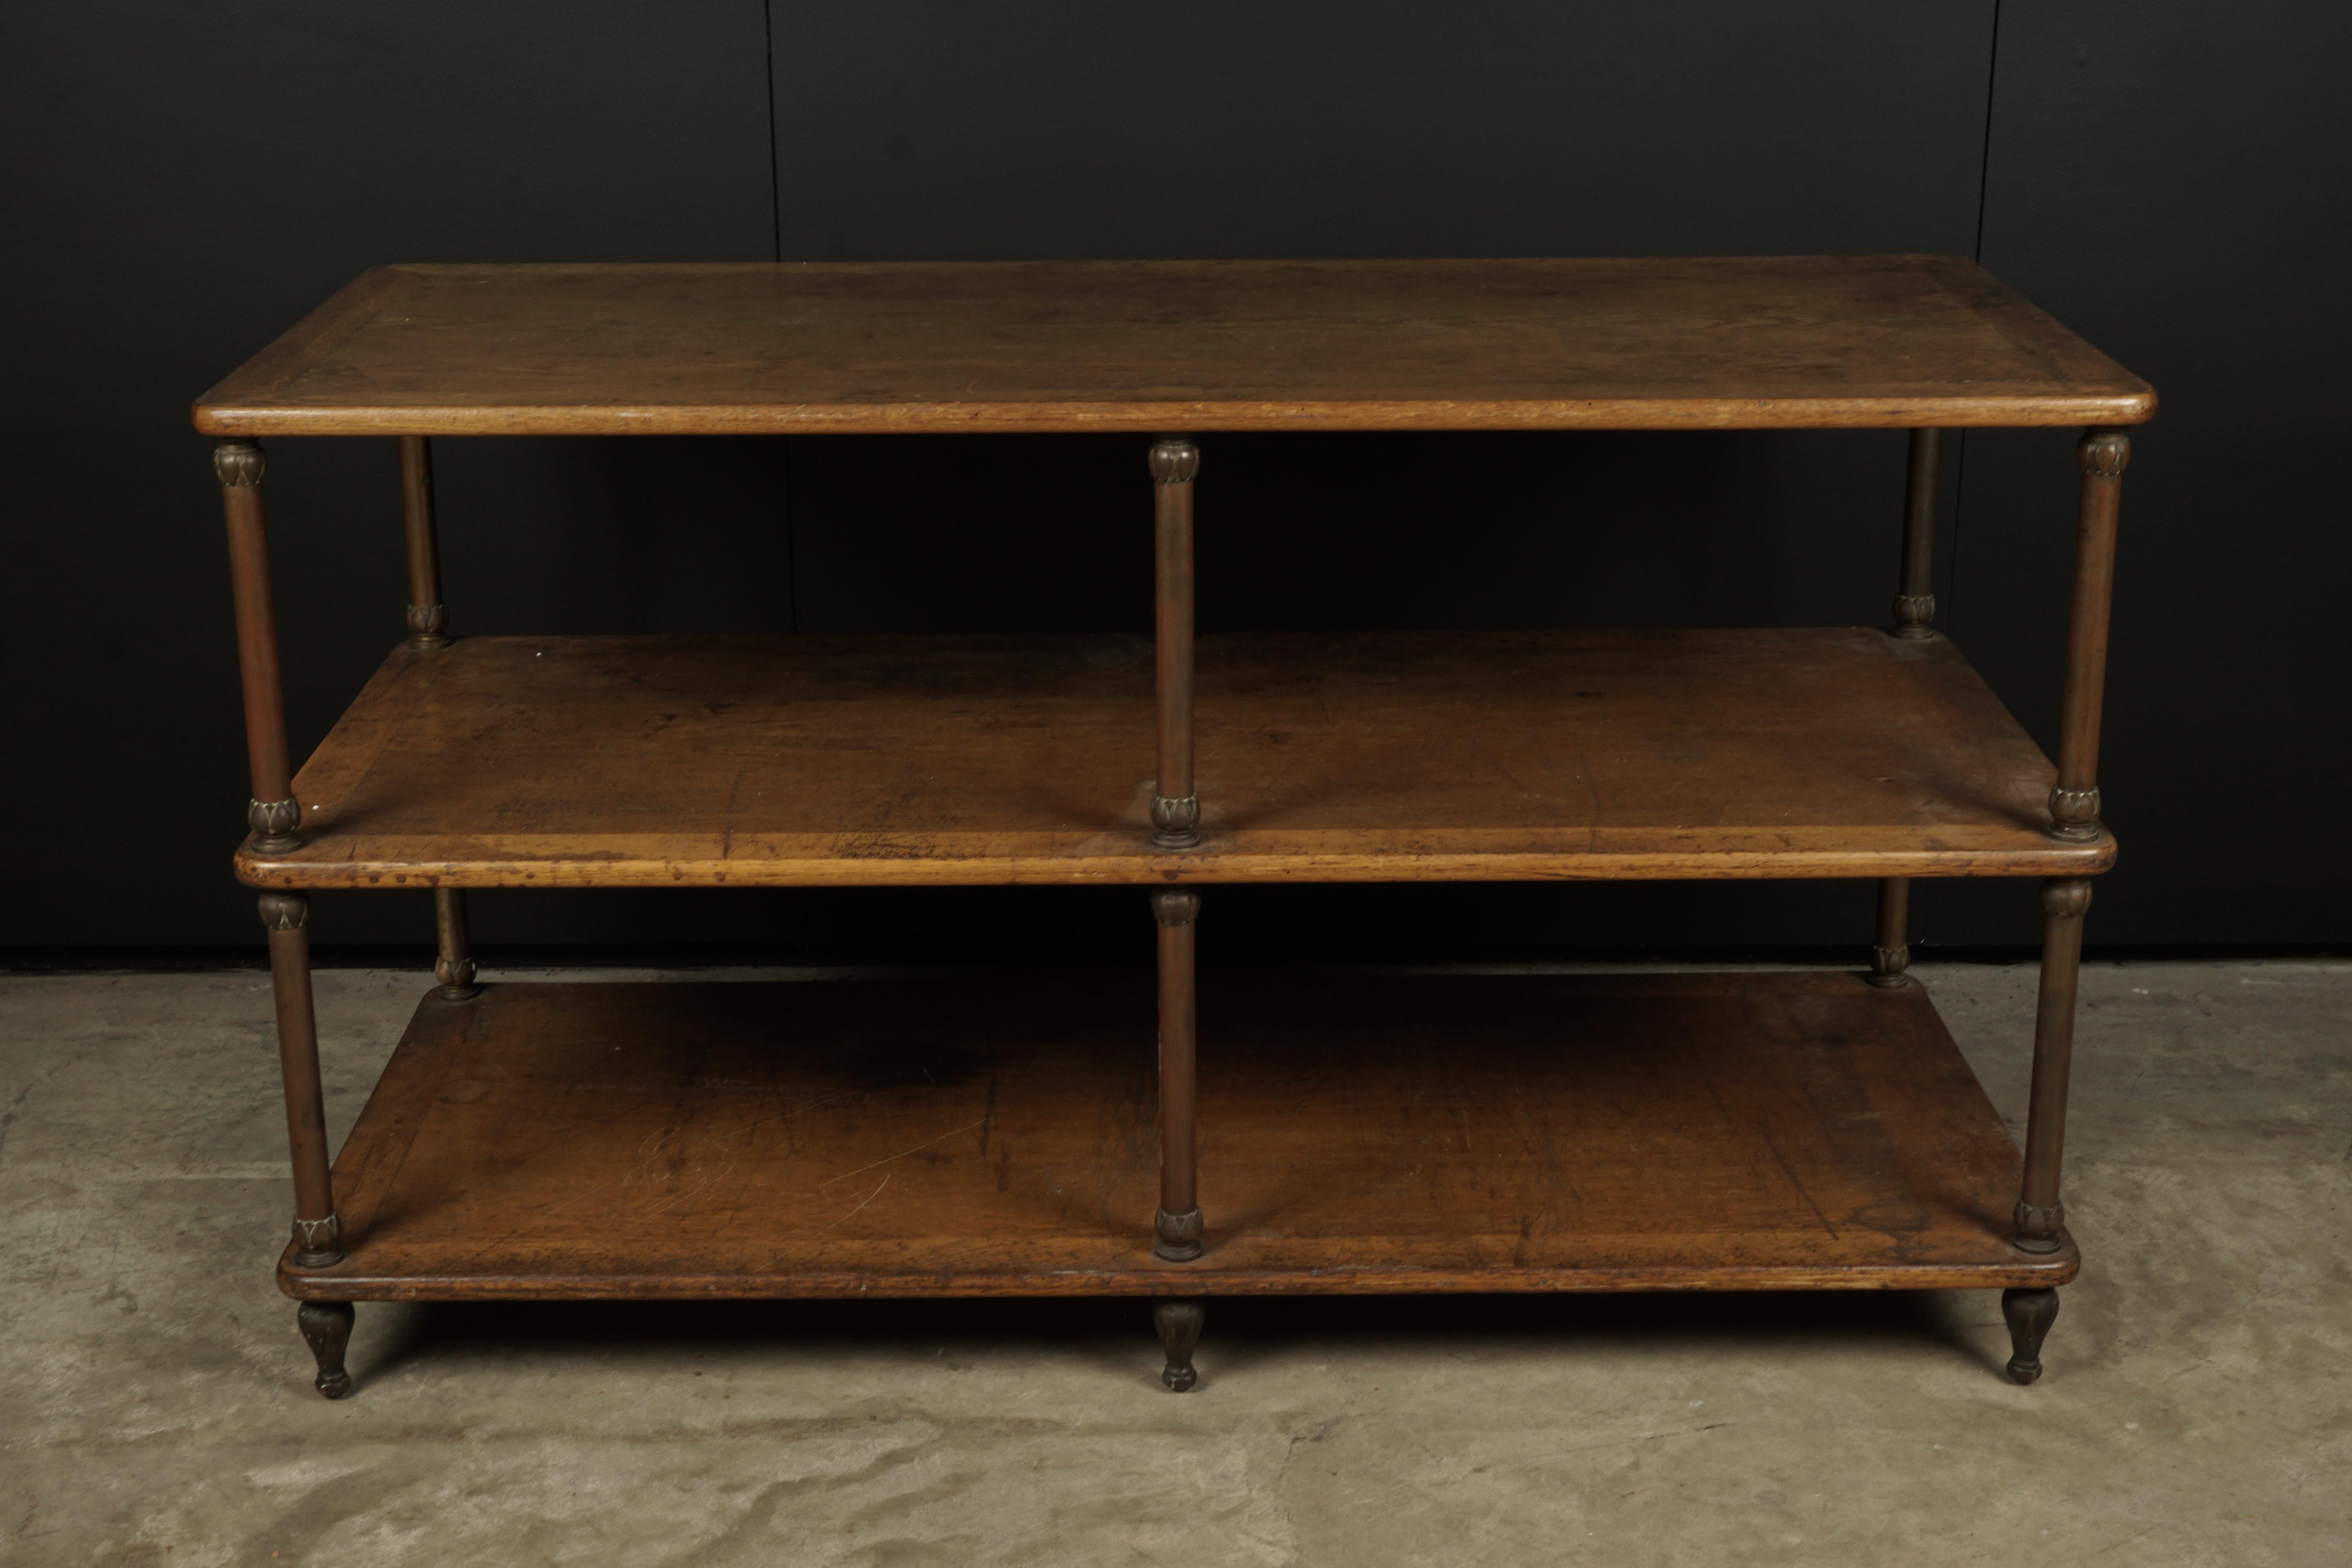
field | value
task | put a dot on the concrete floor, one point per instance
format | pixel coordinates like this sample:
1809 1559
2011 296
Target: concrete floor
155 1403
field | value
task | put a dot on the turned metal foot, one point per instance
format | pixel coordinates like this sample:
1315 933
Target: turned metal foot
2030 1315
1179 1323
327 1327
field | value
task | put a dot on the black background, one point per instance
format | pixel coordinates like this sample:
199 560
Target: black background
186 180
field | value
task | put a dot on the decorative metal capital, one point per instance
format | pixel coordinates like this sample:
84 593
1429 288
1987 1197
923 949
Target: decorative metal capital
429 626
317 1243
1175 906
1176 824
2106 453
1914 615
1180 1236
238 464
285 912
456 978
2038 1227
1886 967
2075 813
273 823
1175 460
2067 898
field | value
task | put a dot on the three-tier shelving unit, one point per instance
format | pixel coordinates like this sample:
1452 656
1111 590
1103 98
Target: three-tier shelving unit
1290 1133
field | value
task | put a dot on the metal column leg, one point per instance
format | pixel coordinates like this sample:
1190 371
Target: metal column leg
1178 1222
1175 807
2041 1216
1914 621
1891 955
428 629
2074 803
454 966
317 1232
428 618
273 815
1915 602
2074 815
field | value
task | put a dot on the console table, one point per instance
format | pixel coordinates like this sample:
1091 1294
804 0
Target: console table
1812 1130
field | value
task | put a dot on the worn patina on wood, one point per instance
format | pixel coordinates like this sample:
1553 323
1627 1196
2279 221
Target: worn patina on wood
1616 343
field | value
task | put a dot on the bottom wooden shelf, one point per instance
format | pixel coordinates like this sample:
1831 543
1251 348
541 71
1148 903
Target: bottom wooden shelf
1358 1133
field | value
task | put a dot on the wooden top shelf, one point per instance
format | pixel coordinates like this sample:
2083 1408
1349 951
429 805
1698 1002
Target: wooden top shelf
1737 343
660 762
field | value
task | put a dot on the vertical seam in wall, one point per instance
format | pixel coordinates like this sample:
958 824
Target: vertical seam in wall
776 231
792 546
775 194
1984 194
1950 603
1984 162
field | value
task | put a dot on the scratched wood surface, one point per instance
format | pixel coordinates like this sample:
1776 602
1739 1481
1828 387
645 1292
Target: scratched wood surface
1750 342
976 1137
618 761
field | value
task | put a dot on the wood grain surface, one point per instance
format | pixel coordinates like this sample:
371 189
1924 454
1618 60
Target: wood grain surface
705 761
1737 342
966 1136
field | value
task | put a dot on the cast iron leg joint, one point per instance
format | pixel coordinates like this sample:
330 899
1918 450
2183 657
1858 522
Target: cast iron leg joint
273 823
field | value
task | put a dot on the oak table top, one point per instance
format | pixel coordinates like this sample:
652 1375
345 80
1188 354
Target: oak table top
1722 342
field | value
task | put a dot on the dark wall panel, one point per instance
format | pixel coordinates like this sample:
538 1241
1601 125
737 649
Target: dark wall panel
2168 178
923 129
927 129
183 182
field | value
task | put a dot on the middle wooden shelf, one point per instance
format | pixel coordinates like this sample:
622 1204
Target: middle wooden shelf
819 760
